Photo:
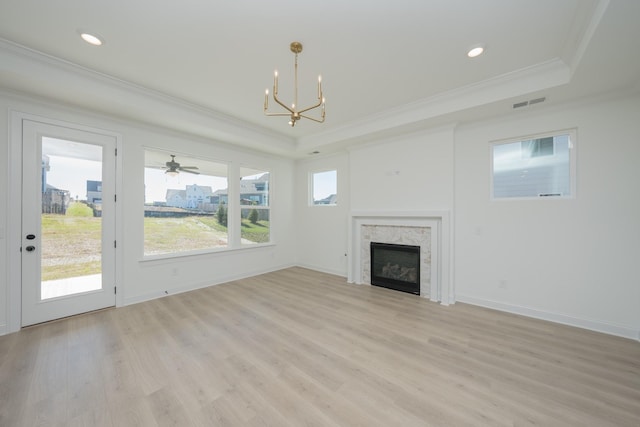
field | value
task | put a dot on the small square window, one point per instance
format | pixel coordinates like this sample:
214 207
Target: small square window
324 188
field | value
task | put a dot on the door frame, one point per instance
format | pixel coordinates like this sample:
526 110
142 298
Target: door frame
14 229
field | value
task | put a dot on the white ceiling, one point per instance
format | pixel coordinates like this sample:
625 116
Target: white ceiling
202 66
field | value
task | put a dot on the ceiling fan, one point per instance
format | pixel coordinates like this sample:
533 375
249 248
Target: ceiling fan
173 168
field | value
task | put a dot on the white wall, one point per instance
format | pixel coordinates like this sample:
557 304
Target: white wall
4 191
321 235
410 172
148 279
141 280
572 261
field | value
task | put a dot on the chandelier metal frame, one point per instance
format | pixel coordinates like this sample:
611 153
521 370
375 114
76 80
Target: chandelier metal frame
293 112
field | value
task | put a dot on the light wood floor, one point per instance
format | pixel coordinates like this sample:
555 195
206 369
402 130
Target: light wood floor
301 348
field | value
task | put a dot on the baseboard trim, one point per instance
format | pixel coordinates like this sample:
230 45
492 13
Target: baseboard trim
323 270
593 325
3 329
199 285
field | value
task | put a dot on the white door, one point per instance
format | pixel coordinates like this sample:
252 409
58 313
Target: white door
68 221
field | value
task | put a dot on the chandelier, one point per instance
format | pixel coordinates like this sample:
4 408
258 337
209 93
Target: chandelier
294 112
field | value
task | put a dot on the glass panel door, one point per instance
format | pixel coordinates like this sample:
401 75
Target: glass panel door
71 221
68 221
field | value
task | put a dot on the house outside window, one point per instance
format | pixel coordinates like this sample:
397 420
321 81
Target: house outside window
323 188
179 211
535 167
255 213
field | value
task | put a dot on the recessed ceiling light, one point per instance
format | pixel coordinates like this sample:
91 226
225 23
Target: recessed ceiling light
91 38
475 51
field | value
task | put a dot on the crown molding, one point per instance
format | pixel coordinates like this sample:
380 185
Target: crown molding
575 51
539 77
35 73
531 79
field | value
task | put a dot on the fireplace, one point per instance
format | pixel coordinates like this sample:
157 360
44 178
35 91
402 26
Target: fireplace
428 229
395 267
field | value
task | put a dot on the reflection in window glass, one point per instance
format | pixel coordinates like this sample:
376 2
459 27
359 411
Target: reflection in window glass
538 147
254 206
325 188
185 204
533 168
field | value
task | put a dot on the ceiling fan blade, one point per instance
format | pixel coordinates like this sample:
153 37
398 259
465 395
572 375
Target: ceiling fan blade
188 171
189 167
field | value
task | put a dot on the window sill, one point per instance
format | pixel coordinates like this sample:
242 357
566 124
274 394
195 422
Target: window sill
203 253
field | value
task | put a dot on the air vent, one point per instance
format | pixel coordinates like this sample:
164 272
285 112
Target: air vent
537 100
530 102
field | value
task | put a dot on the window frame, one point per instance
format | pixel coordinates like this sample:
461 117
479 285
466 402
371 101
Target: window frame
237 198
193 252
311 186
572 147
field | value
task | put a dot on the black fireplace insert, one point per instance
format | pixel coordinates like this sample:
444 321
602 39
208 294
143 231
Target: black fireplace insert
396 267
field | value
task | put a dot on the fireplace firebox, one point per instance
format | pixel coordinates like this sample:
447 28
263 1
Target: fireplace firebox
395 267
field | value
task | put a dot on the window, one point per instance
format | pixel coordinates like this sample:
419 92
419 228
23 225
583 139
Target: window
254 206
324 188
542 166
537 147
185 204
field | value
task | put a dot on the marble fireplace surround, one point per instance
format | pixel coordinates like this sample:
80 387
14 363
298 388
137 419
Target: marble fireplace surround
431 227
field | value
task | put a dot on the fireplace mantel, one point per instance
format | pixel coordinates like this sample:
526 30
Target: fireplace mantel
440 223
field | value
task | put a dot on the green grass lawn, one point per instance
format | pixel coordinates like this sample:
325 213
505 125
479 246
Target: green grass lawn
166 235
71 244
76 209
258 232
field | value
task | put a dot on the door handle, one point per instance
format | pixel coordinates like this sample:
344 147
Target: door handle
31 248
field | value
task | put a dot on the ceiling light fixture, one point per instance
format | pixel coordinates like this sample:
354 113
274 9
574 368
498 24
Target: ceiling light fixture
475 51
91 38
294 112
